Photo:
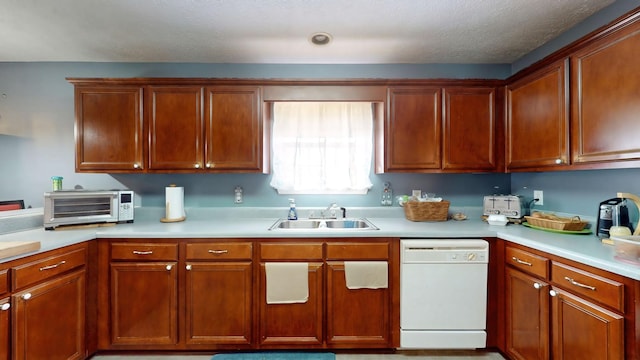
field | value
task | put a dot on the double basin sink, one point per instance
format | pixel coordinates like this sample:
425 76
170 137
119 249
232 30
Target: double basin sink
323 224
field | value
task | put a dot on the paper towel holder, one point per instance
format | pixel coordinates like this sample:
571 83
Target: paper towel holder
166 219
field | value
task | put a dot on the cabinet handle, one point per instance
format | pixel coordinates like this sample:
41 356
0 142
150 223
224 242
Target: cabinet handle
169 267
537 285
521 261
137 252
188 267
5 307
573 282
26 296
49 267
553 293
218 252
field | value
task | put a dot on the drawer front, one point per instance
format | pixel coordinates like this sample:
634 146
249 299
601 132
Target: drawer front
220 251
144 251
31 273
527 262
291 251
357 251
4 282
598 288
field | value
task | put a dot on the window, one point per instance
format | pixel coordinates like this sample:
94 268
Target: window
322 147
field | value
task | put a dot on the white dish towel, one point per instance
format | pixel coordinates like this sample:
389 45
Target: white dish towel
366 274
287 283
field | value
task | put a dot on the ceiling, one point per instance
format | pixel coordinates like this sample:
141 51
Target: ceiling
278 31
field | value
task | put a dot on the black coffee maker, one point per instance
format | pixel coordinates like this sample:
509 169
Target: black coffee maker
608 211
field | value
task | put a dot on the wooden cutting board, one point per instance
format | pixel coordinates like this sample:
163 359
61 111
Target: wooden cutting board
13 248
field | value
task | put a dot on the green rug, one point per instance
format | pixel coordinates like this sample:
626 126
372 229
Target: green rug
267 355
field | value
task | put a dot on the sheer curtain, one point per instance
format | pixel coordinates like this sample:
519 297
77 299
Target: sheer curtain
322 147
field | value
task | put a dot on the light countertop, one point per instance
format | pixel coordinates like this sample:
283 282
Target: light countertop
255 223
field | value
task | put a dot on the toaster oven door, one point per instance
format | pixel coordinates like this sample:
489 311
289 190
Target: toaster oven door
67 208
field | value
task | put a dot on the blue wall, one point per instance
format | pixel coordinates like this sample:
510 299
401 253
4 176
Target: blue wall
37 140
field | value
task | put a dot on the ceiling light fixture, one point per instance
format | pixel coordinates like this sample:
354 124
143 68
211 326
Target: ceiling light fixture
320 38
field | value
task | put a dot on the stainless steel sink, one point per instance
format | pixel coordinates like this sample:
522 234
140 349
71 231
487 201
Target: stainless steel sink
326 224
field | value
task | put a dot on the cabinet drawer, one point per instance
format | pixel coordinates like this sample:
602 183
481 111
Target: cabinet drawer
31 273
528 262
220 251
291 251
144 251
598 288
357 251
4 281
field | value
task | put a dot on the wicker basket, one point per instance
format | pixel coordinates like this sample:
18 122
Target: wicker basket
566 224
426 211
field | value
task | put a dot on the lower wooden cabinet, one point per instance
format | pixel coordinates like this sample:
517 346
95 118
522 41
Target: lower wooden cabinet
5 326
49 319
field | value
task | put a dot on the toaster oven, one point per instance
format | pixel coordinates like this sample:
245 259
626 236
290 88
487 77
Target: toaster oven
75 207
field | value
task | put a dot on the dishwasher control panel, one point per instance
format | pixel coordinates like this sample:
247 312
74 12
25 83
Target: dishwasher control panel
444 251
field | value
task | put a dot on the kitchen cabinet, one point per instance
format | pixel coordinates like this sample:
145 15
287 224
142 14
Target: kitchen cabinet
604 99
559 311
5 326
219 294
295 325
469 138
109 128
356 318
143 294
48 307
538 119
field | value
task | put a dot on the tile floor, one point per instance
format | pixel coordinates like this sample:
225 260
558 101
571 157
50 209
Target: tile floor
399 355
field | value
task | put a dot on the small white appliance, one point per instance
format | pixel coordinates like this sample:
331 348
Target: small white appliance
443 293
74 207
510 206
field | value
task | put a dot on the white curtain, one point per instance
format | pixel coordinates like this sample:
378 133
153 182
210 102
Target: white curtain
322 147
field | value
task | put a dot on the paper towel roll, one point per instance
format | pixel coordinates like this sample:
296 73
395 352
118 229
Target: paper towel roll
175 203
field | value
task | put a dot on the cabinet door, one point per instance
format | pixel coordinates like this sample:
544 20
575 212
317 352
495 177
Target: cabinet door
469 129
218 302
605 93
583 330
298 325
538 119
144 303
49 319
356 318
176 127
5 322
413 129
109 129
234 130
527 320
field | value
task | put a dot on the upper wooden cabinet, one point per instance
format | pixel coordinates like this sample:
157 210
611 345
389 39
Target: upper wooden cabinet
538 119
109 128
605 79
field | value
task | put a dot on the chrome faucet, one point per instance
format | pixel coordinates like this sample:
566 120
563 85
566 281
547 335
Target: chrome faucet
331 212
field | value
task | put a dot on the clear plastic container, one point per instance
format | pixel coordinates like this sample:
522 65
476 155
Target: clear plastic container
56 183
627 248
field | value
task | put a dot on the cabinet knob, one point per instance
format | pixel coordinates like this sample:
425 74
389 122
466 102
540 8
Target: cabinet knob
537 285
169 267
553 293
197 166
136 166
26 296
5 306
559 161
188 267
209 165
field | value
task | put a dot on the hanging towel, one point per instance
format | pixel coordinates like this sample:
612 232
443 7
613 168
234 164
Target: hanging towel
366 274
287 283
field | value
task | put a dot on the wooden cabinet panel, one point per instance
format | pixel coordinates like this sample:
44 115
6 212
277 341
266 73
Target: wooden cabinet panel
356 318
413 129
31 273
220 251
49 319
4 281
582 330
109 128
234 131
591 286
527 326
219 304
527 262
469 138
5 328
298 325
144 300
605 92
538 119
147 251
358 251
176 127
291 251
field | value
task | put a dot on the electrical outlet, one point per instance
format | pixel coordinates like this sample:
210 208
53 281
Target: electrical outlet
538 194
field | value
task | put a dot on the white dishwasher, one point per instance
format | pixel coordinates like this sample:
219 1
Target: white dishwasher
443 293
